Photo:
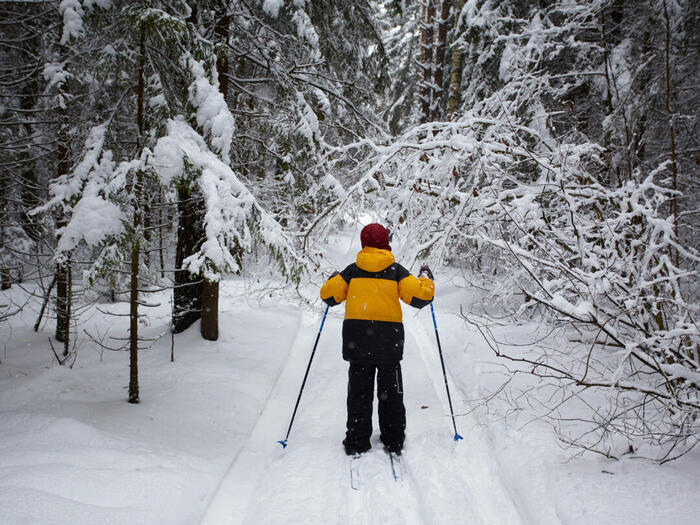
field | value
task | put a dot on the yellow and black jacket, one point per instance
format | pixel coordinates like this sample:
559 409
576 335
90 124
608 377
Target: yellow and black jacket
371 289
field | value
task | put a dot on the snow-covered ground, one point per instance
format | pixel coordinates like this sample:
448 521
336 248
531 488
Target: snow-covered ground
201 446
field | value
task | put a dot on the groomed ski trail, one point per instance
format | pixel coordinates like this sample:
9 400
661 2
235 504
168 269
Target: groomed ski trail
235 489
443 482
468 468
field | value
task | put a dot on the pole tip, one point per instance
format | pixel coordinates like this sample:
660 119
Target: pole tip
283 443
458 437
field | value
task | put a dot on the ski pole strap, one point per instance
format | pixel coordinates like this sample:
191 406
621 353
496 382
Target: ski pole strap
432 311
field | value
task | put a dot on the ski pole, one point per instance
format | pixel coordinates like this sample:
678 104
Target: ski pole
318 336
444 374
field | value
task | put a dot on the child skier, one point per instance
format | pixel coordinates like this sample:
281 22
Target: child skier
373 336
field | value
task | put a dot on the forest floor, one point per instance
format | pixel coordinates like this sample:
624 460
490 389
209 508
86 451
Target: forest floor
201 447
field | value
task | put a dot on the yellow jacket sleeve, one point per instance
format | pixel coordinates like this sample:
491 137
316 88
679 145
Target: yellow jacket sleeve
334 291
416 291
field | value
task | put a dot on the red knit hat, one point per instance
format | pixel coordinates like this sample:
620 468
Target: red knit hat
376 236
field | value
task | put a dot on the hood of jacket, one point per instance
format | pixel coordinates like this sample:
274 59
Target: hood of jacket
374 259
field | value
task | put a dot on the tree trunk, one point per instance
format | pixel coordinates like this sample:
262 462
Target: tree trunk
456 71
160 234
671 130
210 310
6 279
136 242
63 303
187 295
63 285
222 32
425 63
210 289
63 269
439 66
69 302
134 317
47 295
187 291
4 272
147 235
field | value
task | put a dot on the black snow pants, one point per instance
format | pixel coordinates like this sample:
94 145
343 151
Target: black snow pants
392 414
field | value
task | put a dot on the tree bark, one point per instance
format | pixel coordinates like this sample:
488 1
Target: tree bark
147 234
134 315
138 222
453 99
210 289
671 130
44 303
161 247
210 310
425 90
187 295
222 32
439 66
6 279
63 300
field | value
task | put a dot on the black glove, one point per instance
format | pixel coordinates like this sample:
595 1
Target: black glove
425 270
334 274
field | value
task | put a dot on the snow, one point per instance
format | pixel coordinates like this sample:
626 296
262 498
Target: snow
157 101
93 220
331 183
72 13
307 32
199 153
201 446
68 187
228 202
506 65
93 217
308 121
73 451
232 212
212 115
55 75
104 4
582 310
272 7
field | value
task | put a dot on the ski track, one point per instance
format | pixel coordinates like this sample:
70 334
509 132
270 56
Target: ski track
442 482
471 464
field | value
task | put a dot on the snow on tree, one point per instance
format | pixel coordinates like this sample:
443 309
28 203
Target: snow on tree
82 197
233 217
518 186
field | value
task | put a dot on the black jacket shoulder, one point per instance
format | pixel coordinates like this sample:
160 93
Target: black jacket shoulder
393 272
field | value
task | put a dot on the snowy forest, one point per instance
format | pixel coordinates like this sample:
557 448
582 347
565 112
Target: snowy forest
179 178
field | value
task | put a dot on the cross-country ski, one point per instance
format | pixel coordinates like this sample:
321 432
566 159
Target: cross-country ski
395 461
355 472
